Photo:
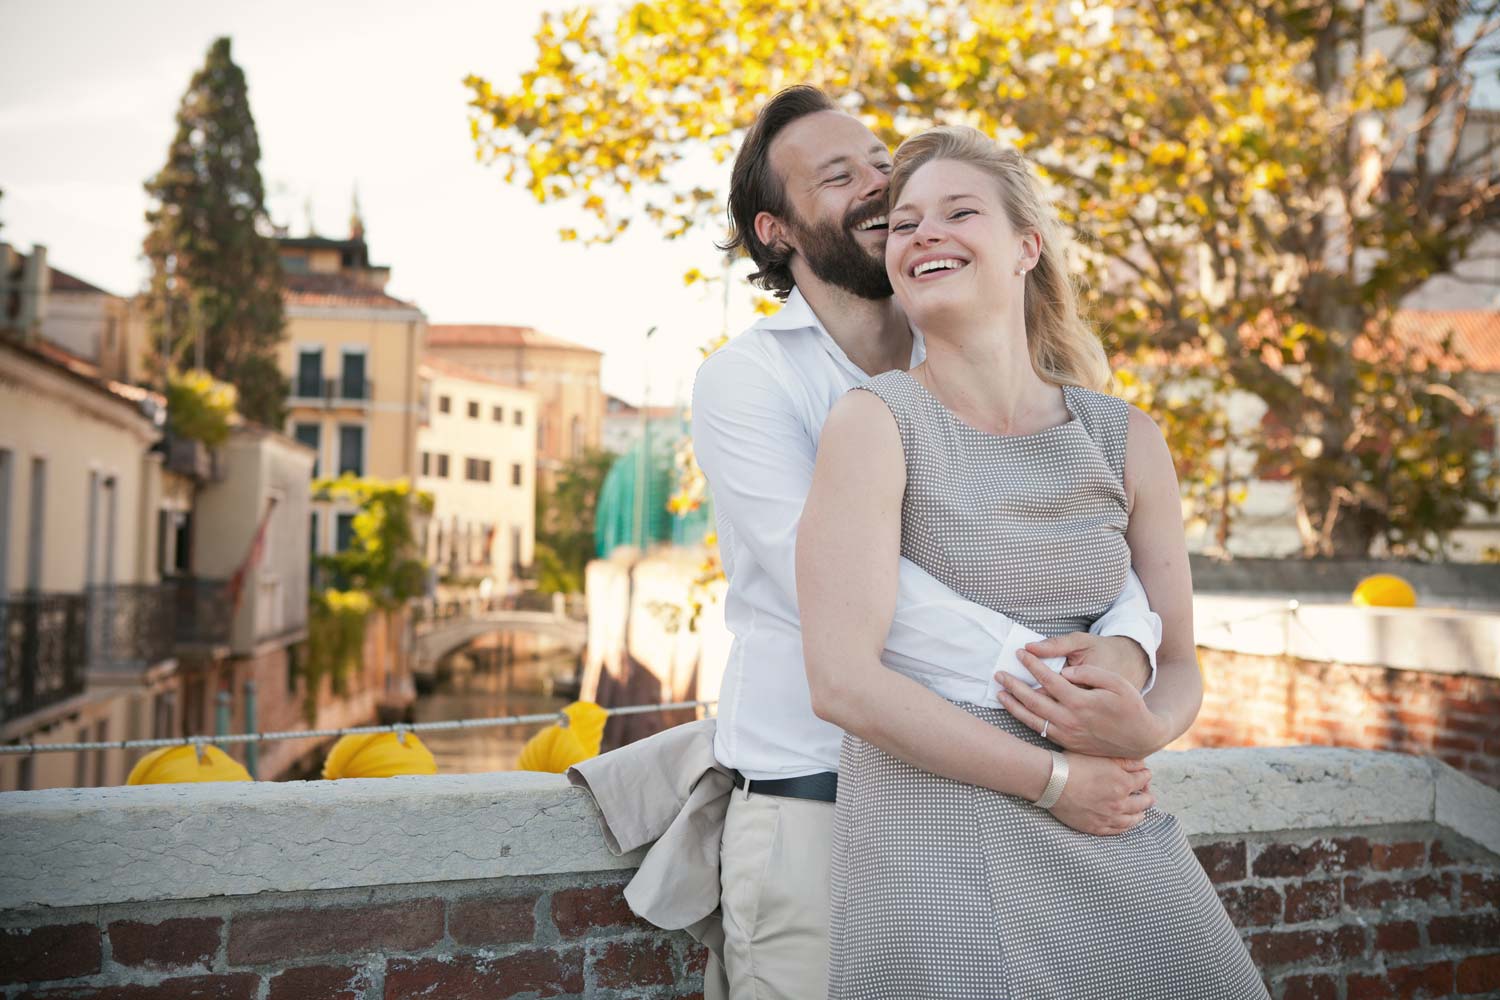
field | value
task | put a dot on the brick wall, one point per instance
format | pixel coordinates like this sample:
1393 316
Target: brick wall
539 936
1253 700
1351 874
1409 912
1396 911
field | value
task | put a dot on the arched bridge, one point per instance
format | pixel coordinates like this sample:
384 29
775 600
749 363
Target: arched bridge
441 637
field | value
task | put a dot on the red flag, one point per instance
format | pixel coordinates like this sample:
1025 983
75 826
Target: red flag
237 581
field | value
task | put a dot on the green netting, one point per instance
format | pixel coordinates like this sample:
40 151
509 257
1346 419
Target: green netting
644 479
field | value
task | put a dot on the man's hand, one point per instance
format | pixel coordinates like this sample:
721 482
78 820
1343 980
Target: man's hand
1085 708
1116 653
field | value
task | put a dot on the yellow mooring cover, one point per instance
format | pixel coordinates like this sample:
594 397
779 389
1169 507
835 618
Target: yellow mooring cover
587 722
173 765
553 750
1385 590
559 747
378 755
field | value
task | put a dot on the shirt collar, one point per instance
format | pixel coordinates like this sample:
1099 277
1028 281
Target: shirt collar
796 314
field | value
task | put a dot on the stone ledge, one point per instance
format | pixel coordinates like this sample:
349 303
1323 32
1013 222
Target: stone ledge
1437 640
77 847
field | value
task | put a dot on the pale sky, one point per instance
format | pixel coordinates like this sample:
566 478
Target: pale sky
342 92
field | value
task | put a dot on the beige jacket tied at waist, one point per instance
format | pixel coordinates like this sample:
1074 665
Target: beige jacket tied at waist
668 791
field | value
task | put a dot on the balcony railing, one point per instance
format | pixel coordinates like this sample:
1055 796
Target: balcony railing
202 611
131 625
41 651
190 458
346 389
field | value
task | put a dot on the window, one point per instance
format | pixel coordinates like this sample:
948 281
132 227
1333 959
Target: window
477 470
445 404
515 474
312 436
352 382
518 418
497 414
312 542
426 463
343 539
174 543
309 383
575 437
442 466
515 550
352 449
36 523
473 409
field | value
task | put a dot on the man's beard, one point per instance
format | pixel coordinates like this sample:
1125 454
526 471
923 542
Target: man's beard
836 256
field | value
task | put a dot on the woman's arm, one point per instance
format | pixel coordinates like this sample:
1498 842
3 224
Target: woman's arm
1158 551
1089 709
848 548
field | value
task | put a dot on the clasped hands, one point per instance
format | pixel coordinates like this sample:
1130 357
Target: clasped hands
1093 707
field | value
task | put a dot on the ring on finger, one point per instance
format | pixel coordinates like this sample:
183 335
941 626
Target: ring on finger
1045 724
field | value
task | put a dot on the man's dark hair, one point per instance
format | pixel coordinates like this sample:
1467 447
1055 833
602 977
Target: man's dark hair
755 188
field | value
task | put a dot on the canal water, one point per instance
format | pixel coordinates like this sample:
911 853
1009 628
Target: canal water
474 683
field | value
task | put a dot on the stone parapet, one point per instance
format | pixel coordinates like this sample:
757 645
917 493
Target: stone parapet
1349 873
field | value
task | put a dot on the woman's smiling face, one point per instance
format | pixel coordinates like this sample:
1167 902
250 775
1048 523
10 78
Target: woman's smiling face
951 246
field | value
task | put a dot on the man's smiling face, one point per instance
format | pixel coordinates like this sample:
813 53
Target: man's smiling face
836 172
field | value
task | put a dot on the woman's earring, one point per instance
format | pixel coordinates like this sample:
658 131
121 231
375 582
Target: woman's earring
1020 270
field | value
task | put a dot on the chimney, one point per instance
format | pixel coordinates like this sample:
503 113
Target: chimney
35 284
23 290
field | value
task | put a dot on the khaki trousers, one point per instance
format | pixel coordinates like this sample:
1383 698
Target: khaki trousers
774 861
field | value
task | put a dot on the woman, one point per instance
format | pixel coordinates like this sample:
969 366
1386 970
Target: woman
997 468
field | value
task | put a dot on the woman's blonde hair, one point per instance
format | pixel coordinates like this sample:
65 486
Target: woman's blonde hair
1064 350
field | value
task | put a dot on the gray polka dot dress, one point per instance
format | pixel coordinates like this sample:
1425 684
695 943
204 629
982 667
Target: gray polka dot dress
946 890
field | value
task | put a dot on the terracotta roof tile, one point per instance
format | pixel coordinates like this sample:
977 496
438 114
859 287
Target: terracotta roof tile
479 335
1476 334
62 281
443 366
333 290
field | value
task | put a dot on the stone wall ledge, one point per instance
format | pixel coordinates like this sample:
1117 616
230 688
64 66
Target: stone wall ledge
82 847
1436 640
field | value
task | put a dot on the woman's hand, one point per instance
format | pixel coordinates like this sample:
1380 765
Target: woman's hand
1086 709
1104 796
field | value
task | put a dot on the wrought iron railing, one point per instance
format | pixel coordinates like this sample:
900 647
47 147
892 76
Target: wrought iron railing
42 651
202 611
187 457
344 388
131 625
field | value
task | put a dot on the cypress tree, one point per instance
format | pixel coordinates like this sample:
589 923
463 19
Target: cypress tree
215 294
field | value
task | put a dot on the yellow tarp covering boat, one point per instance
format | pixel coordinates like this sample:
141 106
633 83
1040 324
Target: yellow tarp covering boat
172 765
378 755
559 747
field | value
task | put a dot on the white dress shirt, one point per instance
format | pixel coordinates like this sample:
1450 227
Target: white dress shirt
759 404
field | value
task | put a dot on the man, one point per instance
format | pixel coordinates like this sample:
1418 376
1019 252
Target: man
807 199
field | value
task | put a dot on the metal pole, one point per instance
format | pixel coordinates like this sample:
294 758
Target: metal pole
221 713
252 749
643 467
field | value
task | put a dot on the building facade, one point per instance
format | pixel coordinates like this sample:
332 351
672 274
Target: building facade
351 356
563 375
478 460
86 623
